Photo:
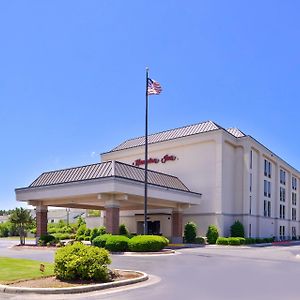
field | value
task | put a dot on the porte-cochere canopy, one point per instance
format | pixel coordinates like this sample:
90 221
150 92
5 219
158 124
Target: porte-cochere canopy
93 186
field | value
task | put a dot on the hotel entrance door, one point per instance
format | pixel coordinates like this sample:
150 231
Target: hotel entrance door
153 227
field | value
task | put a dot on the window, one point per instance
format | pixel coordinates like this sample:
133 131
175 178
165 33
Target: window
282 232
267 208
294 183
282 194
294 214
251 159
282 177
250 206
294 233
267 188
294 198
250 233
282 211
267 168
250 182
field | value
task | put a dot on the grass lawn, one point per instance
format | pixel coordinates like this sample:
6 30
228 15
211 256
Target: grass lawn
12 269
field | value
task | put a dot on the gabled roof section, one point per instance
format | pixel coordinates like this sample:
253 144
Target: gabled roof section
108 169
169 135
236 132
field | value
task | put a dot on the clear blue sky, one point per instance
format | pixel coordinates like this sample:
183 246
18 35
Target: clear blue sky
72 76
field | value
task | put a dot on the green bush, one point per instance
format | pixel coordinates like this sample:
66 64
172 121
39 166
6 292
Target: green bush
190 232
144 243
249 241
199 240
242 240
63 236
94 234
212 234
100 240
87 232
117 243
82 262
222 241
102 230
234 241
237 229
47 239
123 230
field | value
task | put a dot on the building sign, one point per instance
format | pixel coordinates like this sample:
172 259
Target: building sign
140 162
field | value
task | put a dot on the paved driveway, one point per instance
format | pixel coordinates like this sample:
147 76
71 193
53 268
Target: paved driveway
200 273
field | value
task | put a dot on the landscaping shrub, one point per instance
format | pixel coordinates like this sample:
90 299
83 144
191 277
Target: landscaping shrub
143 243
190 232
117 243
222 241
212 234
100 240
237 229
234 241
123 230
63 236
102 230
249 241
242 240
94 234
87 232
83 262
47 239
199 240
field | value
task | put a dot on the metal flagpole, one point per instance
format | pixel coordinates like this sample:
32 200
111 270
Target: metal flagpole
146 158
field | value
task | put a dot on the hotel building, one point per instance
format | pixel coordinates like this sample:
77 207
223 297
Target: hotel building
202 173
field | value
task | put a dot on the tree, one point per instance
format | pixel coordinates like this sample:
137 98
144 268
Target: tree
190 232
22 219
237 229
212 234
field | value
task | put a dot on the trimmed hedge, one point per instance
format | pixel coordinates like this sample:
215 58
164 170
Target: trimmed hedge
123 230
144 243
100 240
234 241
79 261
222 241
117 243
47 239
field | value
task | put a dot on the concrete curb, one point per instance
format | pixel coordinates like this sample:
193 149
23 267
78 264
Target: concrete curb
73 290
167 251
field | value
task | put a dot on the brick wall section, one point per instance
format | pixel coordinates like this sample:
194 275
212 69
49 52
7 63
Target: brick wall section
112 219
176 224
41 223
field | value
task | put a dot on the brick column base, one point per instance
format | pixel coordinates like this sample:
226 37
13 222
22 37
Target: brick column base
41 220
112 219
176 227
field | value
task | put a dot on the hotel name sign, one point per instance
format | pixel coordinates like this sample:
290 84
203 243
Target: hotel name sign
167 157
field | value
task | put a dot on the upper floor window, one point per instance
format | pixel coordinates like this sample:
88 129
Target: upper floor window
282 194
294 214
267 168
251 159
250 182
267 188
282 211
294 183
282 176
294 198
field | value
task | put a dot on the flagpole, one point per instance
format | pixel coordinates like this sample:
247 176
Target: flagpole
146 158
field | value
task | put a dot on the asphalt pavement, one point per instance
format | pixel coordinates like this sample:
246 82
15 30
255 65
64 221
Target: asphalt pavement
209 273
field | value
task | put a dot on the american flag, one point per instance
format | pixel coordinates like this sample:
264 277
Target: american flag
154 88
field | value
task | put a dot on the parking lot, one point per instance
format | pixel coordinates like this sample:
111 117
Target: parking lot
210 272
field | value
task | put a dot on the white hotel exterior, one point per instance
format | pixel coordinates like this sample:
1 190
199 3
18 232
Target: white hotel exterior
220 176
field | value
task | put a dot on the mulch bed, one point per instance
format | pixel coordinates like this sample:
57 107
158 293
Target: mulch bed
52 282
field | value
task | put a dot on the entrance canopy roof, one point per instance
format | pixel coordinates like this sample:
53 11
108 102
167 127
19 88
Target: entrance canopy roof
92 186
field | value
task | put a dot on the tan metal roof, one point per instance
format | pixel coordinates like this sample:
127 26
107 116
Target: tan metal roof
236 132
108 169
176 133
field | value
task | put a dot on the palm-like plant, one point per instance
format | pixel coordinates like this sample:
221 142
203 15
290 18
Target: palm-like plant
23 221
